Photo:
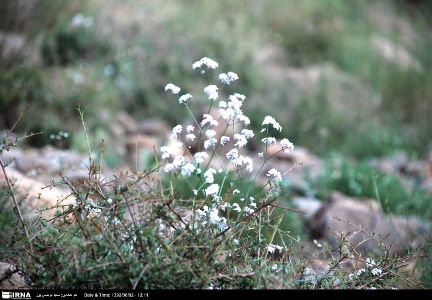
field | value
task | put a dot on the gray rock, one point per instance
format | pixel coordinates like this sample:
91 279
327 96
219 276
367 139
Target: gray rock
342 214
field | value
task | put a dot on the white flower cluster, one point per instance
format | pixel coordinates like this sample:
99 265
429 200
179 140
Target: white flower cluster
270 120
274 175
212 215
174 89
184 99
231 112
92 209
211 64
227 78
371 267
211 91
237 160
271 248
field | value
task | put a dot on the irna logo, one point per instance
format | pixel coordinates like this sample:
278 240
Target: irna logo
16 295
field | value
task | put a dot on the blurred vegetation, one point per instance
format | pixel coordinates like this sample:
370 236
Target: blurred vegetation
311 64
362 180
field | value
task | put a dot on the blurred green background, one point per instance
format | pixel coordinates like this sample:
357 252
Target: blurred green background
345 76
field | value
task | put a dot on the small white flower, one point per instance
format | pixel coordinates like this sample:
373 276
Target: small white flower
241 140
208 119
209 62
236 207
232 154
208 175
287 146
190 128
169 167
249 163
247 133
224 78
190 137
274 267
239 96
176 131
210 142
269 141
211 92
206 61
197 64
227 78
271 248
183 99
236 192
376 271
214 218
178 161
200 156
233 76
370 262
224 139
165 152
248 210
210 133
187 169
174 89
244 119
274 174
93 212
213 189
200 213
261 154
222 224
272 121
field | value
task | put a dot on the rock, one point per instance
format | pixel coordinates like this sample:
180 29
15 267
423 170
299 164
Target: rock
396 54
300 156
401 233
45 162
124 123
295 166
14 281
153 127
308 205
391 165
30 190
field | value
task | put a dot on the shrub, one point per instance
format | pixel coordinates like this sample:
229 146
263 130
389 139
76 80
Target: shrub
135 232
